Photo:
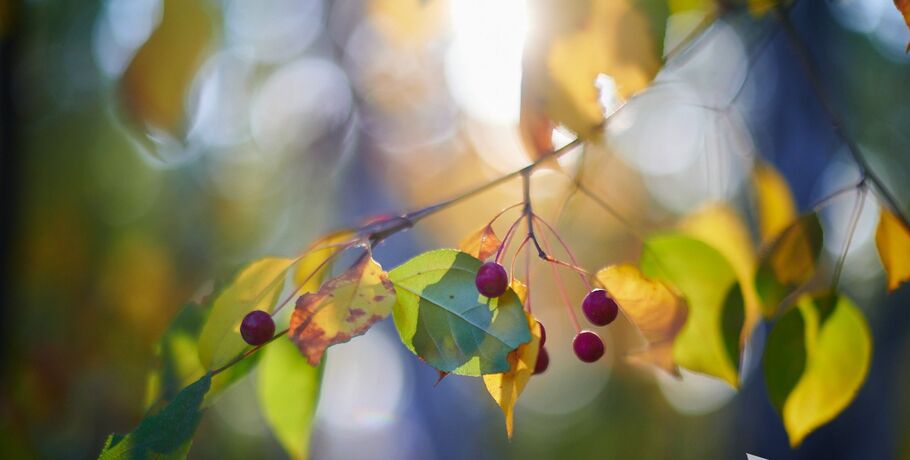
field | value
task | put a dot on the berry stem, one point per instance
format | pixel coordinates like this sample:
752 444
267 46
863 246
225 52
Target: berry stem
507 240
562 293
245 354
582 273
528 281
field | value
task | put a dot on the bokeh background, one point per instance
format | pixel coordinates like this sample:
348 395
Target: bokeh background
126 192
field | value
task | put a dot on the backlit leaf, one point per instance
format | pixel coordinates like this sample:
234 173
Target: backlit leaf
257 287
156 81
724 230
506 387
288 393
709 340
343 308
893 241
776 207
311 267
442 318
481 244
815 361
574 42
167 434
789 262
652 307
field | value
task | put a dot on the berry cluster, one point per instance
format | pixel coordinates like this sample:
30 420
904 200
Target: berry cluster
598 306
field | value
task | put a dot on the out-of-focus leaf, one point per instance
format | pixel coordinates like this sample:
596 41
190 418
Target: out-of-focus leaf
442 318
724 230
574 42
893 241
257 287
506 387
288 393
816 359
776 207
311 268
705 278
481 244
789 262
652 307
345 307
407 22
904 7
167 434
155 83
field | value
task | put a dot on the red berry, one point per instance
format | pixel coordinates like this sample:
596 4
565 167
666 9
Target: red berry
599 307
257 327
588 346
543 334
492 280
543 361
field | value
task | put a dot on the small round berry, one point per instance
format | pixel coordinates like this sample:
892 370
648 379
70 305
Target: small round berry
588 346
599 307
492 280
257 327
543 361
543 334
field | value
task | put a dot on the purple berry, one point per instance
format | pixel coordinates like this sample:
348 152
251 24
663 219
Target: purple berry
599 307
543 361
588 346
492 280
257 327
543 334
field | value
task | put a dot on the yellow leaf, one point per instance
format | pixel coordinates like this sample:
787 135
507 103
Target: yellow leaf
652 307
257 287
722 228
760 7
481 244
789 262
346 306
155 83
507 386
893 241
838 353
311 268
573 43
776 208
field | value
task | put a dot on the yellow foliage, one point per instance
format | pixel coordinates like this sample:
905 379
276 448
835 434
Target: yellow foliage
893 241
507 386
776 207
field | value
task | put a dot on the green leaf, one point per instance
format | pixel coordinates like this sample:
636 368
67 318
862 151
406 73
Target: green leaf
256 287
167 434
789 262
816 359
709 340
442 318
288 393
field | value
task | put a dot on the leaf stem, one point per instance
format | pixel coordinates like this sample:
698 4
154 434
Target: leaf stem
854 220
245 354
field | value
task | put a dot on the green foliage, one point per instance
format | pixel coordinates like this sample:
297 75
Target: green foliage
288 393
705 278
167 434
441 317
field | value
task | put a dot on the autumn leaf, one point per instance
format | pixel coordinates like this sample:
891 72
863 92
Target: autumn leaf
156 81
573 43
893 241
709 341
723 229
775 203
481 244
288 392
816 359
789 262
442 318
652 307
345 307
506 387
257 287
904 7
